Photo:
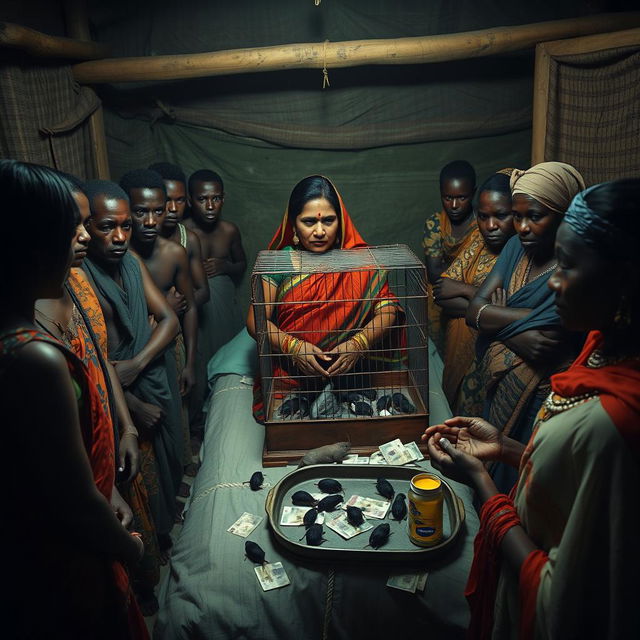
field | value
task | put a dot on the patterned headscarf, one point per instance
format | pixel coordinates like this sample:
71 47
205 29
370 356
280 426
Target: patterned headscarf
553 184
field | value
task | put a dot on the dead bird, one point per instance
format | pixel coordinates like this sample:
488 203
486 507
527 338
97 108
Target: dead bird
326 454
370 394
254 552
294 407
309 518
384 488
328 485
383 404
355 516
303 499
329 503
326 405
399 507
361 408
314 535
401 403
379 536
256 480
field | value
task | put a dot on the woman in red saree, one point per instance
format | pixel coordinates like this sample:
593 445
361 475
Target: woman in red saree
559 558
67 550
322 322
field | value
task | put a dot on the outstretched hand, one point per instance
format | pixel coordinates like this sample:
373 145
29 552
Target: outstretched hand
453 462
472 436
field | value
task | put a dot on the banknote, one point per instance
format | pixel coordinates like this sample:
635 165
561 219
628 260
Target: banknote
414 451
403 581
354 458
422 581
371 507
245 524
341 526
377 458
293 516
272 576
395 452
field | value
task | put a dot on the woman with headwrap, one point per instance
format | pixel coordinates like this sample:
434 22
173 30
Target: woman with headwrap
521 342
460 283
559 557
321 322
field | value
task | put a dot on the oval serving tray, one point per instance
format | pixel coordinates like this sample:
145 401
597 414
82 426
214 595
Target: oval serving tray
360 480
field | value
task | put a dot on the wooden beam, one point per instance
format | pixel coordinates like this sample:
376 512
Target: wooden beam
540 103
35 43
77 21
441 48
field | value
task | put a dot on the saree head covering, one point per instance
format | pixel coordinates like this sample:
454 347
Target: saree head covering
349 237
553 184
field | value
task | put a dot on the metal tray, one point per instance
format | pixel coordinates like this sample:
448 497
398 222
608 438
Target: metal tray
360 480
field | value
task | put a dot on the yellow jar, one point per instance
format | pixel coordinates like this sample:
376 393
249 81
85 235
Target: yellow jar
425 510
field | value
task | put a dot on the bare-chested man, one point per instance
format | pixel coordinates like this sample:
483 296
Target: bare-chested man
224 263
127 296
169 267
171 226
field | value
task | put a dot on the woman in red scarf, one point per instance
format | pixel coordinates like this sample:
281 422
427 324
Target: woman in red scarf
559 557
322 322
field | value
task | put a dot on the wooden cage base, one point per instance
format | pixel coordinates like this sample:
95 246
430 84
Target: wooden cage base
286 443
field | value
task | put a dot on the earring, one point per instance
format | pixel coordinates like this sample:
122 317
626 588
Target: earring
296 240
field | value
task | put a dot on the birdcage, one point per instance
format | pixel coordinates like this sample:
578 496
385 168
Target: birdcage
342 348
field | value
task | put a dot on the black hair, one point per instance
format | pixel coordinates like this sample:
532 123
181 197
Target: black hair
458 169
204 175
312 188
169 171
42 198
142 179
498 182
617 203
96 188
77 185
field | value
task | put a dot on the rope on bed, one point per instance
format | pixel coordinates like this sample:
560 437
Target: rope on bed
328 604
224 485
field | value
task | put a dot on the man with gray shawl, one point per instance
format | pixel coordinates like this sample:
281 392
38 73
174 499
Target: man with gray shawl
128 297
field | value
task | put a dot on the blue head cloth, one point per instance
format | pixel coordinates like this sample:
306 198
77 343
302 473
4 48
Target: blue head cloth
597 232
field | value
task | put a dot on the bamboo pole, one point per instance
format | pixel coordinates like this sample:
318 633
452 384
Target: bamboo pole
441 48
14 36
540 103
77 21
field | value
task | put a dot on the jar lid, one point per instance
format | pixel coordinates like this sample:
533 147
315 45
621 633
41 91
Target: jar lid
426 484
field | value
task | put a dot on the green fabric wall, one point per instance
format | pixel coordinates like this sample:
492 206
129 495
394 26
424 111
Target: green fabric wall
388 191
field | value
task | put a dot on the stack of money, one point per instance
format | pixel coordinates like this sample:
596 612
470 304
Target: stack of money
272 576
371 507
396 453
341 526
410 582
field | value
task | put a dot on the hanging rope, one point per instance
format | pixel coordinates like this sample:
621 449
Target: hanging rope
325 73
328 604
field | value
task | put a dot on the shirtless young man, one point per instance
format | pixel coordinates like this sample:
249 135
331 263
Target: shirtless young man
224 262
127 296
167 261
171 226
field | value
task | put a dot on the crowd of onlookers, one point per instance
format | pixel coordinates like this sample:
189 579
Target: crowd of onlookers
114 302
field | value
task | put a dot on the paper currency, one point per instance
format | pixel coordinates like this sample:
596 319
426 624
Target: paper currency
354 458
341 526
395 452
414 451
422 581
371 507
293 516
404 582
377 458
245 524
272 576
